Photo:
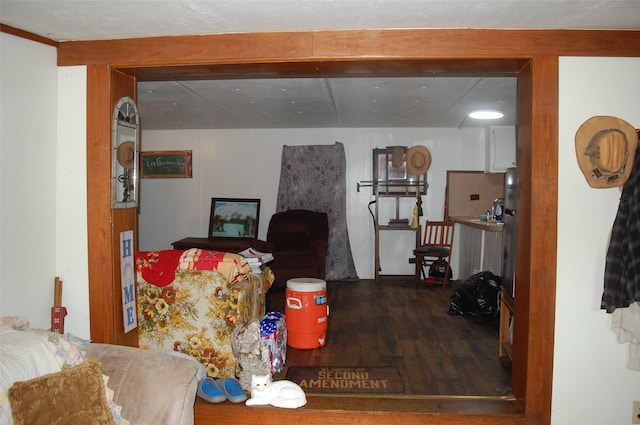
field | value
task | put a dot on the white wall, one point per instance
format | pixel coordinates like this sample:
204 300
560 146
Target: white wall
71 198
246 164
591 384
29 142
43 206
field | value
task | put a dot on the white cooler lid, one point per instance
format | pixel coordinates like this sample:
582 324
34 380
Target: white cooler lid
306 284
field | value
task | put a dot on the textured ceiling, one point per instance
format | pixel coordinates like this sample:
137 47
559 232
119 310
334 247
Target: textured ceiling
324 102
312 102
111 19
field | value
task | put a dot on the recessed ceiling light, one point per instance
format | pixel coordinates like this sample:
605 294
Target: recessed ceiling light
486 114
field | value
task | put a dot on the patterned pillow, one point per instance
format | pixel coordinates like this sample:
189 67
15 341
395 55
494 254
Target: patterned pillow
72 396
30 353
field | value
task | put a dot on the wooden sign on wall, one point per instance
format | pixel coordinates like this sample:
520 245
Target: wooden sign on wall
165 164
127 277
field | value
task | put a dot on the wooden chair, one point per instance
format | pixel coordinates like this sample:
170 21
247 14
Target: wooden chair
436 247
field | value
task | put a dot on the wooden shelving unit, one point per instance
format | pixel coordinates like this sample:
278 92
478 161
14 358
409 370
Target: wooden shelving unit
379 229
395 182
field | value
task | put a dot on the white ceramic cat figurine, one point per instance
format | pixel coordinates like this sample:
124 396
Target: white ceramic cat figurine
285 394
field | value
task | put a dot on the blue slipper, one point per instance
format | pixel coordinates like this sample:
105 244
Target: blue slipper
208 390
232 389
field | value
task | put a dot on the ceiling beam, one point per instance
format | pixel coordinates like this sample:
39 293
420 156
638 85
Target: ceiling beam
337 46
321 69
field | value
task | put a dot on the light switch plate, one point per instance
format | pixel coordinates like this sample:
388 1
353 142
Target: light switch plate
635 416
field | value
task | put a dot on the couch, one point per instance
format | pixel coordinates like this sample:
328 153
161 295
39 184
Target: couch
191 301
299 240
46 376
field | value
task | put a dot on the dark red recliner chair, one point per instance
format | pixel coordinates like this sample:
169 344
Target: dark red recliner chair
299 240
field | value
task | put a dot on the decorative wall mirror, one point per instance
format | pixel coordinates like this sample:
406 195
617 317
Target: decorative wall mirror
124 155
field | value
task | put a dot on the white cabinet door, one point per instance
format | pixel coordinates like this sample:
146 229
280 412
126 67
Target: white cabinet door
480 251
502 149
470 261
492 252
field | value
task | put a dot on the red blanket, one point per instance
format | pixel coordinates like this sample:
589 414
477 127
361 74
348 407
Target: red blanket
159 267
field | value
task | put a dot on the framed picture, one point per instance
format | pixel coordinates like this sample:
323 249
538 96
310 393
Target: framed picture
234 218
165 164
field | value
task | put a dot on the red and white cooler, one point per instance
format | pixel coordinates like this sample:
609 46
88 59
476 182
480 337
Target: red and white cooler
306 312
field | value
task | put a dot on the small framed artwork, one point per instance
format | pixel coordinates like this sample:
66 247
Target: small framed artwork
165 164
234 218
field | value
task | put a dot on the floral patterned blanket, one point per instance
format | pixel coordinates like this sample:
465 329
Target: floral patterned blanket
191 301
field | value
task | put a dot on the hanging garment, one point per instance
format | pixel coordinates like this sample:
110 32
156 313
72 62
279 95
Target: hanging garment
622 268
313 177
625 322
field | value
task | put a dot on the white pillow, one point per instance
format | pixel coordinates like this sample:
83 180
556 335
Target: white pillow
29 353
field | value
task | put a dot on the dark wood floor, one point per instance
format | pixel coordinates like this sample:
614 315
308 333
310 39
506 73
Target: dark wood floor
393 323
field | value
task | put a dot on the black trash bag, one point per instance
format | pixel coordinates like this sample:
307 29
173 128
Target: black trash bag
478 296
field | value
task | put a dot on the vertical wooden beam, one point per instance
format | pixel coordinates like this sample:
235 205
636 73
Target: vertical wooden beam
101 289
104 88
536 249
524 144
122 220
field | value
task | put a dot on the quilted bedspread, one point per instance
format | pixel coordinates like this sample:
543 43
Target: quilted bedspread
191 301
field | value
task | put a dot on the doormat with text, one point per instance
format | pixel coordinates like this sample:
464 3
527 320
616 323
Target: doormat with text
326 379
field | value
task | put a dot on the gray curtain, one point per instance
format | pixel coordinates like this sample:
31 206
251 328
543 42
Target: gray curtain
313 177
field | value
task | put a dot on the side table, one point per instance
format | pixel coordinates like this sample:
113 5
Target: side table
234 245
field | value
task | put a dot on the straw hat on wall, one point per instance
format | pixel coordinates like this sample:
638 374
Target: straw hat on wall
418 160
605 149
126 154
